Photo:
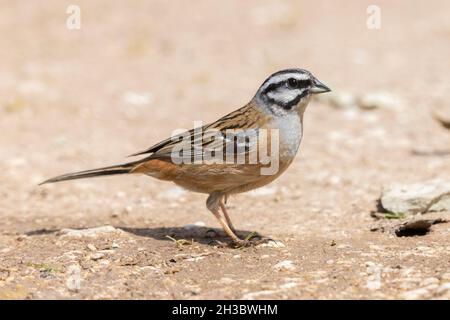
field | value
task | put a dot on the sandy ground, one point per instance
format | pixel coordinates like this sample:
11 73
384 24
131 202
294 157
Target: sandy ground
78 99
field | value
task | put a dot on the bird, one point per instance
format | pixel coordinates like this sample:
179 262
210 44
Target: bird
231 155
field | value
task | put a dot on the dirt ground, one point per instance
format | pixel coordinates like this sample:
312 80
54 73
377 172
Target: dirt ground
79 99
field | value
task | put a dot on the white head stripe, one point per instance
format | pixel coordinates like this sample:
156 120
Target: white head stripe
284 77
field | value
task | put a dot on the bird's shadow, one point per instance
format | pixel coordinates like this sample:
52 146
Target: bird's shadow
203 235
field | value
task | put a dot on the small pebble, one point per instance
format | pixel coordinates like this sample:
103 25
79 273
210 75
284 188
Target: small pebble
285 265
97 256
194 225
91 247
417 294
211 234
273 244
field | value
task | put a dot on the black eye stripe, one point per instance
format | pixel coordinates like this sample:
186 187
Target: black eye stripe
292 82
295 83
304 83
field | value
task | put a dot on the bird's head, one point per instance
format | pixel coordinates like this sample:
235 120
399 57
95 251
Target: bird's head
288 90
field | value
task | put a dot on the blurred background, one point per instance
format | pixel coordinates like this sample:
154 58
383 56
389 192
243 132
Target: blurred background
74 99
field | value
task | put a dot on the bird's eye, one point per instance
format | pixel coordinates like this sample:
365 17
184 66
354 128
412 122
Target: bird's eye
293 83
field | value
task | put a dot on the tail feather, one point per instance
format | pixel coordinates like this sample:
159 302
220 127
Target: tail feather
106 171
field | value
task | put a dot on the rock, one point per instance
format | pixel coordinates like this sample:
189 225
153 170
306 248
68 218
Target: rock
258 294
91 247
380 100
194 225
288 285
429 282
286 265
272 244
226 280
195 258
443 290
90 232
115 245
174 193
339 99
263 192
137 98
417 294
433 195
121 194
370 101
211 233
97 256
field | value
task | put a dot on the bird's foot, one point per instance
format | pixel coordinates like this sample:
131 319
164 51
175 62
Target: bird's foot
252 240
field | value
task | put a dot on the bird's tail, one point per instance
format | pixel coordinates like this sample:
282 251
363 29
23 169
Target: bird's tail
106 171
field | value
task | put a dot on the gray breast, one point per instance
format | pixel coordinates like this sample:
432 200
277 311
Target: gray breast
290 133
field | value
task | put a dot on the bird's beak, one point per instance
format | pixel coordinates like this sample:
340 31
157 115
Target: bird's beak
319 87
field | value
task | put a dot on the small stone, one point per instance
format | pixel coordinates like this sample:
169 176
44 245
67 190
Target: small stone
128 210
195 259
90 232
288 285
21 237
91 247
97 256
273 244
444 290
175 193
137 98
380 100
446 276
121 194
226 280
417 294
339 99
263 192
114 245
211 233
373 285
286 265
194 225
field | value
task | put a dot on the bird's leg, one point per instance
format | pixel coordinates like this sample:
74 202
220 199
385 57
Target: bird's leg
222 203
212 203
225 227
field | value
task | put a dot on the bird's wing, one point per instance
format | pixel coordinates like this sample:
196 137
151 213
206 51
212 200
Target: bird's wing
162 144
207 144
229 136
